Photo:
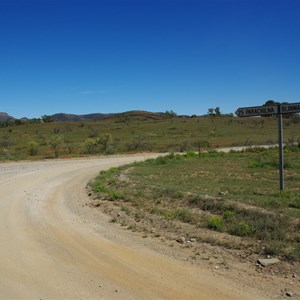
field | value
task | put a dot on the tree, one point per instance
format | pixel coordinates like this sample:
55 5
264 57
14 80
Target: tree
8 122
214 111
170 113
271 103
35 120
104 141
56 142
211 111
46 119
18 122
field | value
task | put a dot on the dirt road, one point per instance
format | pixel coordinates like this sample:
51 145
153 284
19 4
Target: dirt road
54 247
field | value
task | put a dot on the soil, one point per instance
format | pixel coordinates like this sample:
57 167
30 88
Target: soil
229 256
55 245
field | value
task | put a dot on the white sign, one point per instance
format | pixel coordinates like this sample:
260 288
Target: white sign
290 108
257 111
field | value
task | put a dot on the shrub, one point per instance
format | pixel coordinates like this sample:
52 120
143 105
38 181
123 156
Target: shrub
215 223
90 145
228 215
33 148
55 142
104 141
242 229
99 188
185 215
114 195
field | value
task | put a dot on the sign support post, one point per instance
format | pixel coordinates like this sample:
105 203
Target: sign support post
280 143
279 110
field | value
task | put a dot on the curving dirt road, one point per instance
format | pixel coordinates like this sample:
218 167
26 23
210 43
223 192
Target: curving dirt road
54 247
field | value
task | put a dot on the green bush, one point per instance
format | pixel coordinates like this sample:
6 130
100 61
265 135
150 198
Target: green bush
228 214
33 148
242 229
114 195
100 188
215 223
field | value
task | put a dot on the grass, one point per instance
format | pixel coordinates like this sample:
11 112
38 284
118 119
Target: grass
36 141
230 193
236 193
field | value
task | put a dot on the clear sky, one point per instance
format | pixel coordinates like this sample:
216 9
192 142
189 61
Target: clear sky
84 56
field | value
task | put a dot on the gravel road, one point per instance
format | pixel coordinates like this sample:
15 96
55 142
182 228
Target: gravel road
55 247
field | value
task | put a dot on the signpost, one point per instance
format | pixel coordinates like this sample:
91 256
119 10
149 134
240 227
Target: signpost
287 108
256 111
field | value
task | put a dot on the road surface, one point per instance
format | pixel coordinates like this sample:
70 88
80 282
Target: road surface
54 247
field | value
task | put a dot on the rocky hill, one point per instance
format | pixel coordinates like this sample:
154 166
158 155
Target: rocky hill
4 116
64 117
136 114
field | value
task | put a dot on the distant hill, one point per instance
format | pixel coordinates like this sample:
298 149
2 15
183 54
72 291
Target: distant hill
124 116
62 117
136 114
4 116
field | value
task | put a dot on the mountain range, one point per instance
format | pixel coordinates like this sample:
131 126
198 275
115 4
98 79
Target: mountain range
64 117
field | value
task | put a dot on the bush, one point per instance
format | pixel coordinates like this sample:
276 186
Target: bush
33 148
228 215
242 229
114 195
215 223
185 215
56 142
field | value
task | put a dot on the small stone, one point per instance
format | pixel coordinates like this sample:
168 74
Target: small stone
119 214
217 267
117 291
181 240
268 261
294 275
268 256
193 240
205 258
289 294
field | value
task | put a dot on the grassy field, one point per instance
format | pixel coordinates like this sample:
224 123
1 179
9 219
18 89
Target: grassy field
122 135
235 193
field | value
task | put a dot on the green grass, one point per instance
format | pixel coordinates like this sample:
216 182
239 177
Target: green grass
33 141
230 193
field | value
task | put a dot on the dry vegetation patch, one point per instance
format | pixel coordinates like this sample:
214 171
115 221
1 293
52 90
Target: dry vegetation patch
220 199
135 133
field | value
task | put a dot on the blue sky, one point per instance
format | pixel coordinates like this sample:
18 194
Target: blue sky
117 55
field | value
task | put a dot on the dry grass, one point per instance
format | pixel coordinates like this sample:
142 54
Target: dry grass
136 135
229 193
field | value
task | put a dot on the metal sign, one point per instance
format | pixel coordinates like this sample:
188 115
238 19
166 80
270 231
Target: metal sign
256 111
290 108
287 108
